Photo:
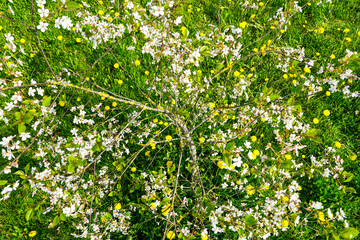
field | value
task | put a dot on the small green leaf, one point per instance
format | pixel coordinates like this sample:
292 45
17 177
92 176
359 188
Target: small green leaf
27 168
274 97
230 146
21 128
351 190
71 168
28 117
312 132
29 214
19 172
111 194
17 115
185 32
72 5
250 220
3 182
349 233
46 101
62 217
56 221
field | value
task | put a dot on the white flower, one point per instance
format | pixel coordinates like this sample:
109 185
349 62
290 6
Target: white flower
7 169
40 91
5 141
157 11
247 144
178 20
316 205
43 12
42 26
329 213
8 37
24 136
9 106
41 3
31 92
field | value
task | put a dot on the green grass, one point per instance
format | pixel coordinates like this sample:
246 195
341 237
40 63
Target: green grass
342 125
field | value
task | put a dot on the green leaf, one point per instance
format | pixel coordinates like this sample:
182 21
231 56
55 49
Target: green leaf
71 168
72 5
46 101
108 216
274 97
312 132
349 176
230 146
19 172
29 116
316 139
351 190
111 194
71 159
21 128
29 214
27 168
62 217
250 220
3 182
17 115
287 164
349 233
185 32
335 236
56 221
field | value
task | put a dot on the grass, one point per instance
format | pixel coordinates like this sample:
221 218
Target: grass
342 125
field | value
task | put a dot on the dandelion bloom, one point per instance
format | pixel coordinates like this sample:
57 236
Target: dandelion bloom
32 234
326 112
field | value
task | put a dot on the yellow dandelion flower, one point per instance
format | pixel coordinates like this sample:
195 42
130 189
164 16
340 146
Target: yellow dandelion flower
346 30
307 70
78 40
337 144
285 223
107 108
101 12
244 24
321 216
352 158
250 189
22 40
170 235
118 206
137 63
221 164
316 121
326 112
253 138
32 233
236 74
332 56
321 30
168 137
133 169
60 38
116 65
120 82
